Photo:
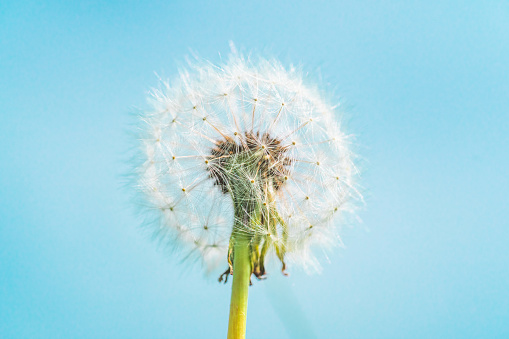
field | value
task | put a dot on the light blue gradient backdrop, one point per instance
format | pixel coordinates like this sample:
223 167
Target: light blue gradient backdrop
425 88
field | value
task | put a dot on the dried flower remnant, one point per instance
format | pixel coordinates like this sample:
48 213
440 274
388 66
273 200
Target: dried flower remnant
245 150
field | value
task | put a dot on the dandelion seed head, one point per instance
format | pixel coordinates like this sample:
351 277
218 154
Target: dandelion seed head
245 138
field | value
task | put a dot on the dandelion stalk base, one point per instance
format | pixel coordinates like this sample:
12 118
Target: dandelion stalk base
240 289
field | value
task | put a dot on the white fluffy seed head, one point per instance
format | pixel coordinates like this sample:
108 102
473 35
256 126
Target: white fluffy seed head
188 184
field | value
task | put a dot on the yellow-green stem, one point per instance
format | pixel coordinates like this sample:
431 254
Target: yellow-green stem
240 287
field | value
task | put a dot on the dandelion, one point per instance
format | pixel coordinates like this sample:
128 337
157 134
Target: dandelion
241 160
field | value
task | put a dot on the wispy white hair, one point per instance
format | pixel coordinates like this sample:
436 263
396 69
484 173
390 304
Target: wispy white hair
210 102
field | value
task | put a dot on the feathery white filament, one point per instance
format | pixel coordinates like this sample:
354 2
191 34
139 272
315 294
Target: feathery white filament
209 104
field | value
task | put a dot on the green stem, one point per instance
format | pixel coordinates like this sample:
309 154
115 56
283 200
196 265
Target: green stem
240 287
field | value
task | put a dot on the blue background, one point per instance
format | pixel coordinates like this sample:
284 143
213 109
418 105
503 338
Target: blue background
425 89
